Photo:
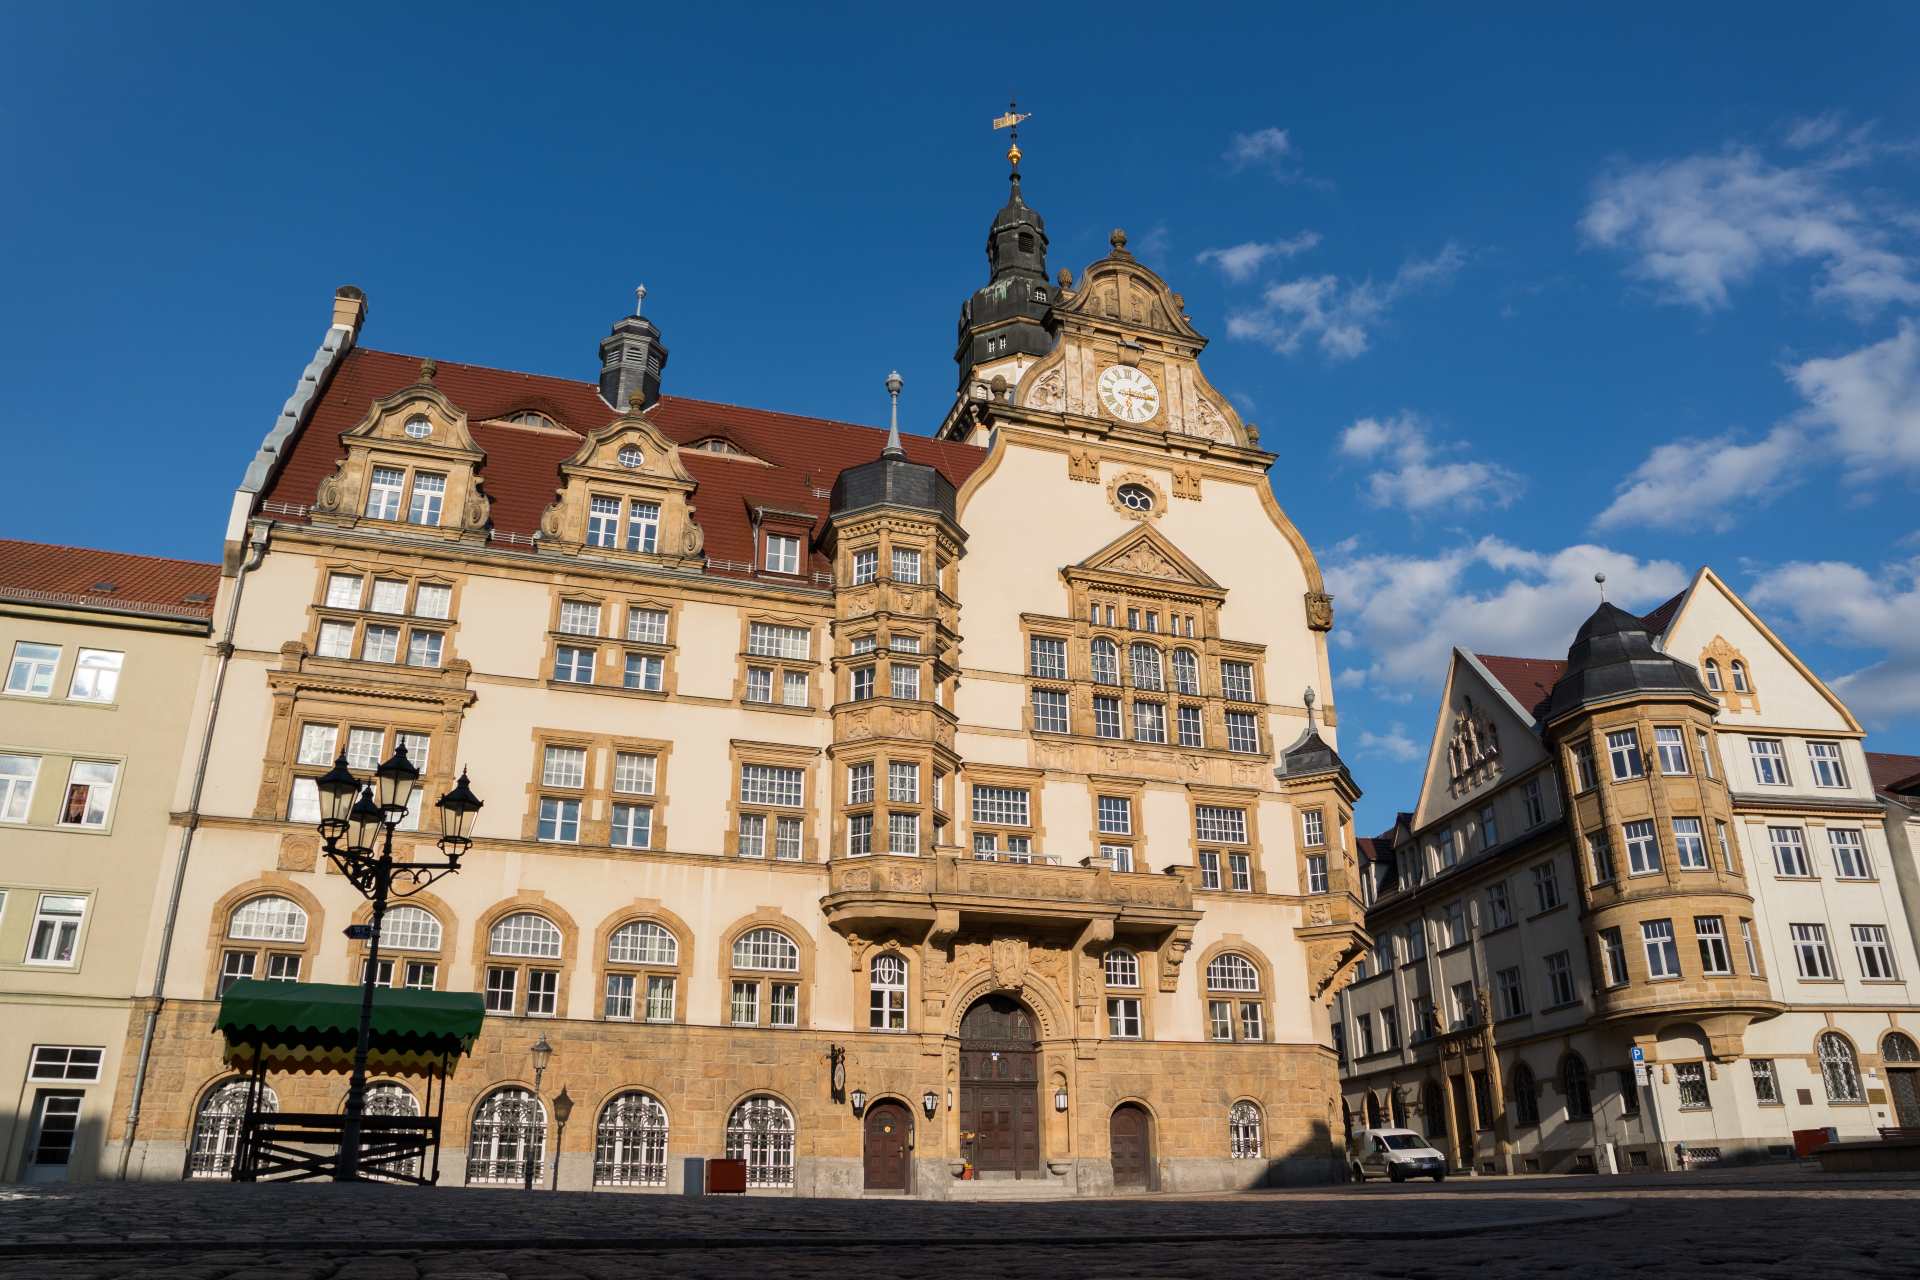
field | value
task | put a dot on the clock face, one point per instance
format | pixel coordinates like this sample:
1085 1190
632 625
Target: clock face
1128 394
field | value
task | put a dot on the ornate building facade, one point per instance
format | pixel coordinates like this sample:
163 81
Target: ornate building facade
1648 900
867 809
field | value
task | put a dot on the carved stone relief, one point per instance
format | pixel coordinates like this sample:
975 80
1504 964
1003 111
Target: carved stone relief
1319 611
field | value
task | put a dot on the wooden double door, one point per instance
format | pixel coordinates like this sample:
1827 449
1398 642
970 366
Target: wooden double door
889 1130
1000 1086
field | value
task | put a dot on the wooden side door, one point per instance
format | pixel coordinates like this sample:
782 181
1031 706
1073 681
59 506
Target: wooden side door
1127 1138
888 1127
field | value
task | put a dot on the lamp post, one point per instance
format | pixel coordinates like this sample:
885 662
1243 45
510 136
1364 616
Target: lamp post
542 1055
562 1110
358 836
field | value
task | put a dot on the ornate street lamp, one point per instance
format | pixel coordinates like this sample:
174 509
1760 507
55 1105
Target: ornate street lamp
859 1100
562 1111
542 1054
357 822
929 1103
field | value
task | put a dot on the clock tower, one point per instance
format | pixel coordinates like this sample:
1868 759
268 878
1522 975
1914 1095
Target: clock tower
1006 325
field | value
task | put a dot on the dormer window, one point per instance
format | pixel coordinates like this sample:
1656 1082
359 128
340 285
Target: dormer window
529 418
429 491
383 493
632 457
419 427
783 553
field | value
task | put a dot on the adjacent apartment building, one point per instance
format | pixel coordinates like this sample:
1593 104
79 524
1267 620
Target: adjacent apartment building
103 653
862 807
1646 901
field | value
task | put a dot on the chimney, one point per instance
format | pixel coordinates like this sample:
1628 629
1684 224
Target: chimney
349 307
631 359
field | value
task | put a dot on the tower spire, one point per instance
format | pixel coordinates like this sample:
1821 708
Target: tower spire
1011 122
894 448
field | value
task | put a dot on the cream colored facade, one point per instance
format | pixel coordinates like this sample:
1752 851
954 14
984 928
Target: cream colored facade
96 692
1807 1026
1181 974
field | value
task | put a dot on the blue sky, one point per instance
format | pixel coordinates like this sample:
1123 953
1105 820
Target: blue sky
1512 296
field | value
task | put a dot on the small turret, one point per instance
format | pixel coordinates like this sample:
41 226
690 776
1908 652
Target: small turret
632 358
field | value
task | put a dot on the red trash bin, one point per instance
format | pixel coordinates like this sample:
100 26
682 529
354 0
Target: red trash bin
726 1176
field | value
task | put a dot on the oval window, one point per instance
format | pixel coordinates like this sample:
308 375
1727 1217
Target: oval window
1135 497
419 428
630 457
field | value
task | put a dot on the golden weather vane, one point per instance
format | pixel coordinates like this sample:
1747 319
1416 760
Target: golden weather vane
1011 120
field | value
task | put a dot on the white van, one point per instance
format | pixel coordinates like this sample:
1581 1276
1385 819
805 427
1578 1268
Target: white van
1398 1153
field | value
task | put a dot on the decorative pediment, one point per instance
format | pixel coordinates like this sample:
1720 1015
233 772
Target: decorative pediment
1145 553
1121 289
625 494
421 437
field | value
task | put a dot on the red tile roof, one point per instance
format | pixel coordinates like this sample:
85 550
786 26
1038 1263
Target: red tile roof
1889 771
1529 680
1658 620
522 467
40 573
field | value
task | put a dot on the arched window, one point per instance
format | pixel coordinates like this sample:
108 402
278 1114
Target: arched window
1243 1131
756 1000
1145 661
1373 1110
642 975
1186 672
1577 1088
509 1134
887 1010
1105 659
1713 675
1231 975
1397 1107
216 1128
760 1131
1122 967
1839 1069
1899 1047
1526 1095
1740 677
391 1098
409 928
266 938
523 936
630 1144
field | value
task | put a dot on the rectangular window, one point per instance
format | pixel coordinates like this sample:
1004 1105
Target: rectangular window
1191 733
1253 1022
429 491
1389 1029
1243 731
433 600
783 1005
634 773
1600 853
579 618
646 626
632 826
1186 675
1546 885
1115 816
1535 802
1753 954
1643 849
1726 845
1220 1019
343 590
1663 953
1149 722
1001 806
859 835
1769 761
1824 757
1849 853
543 992
646 672
1671 743
1789 851
861 684
903 833
559 819
1049 711
363 748
769 640
1317 873
1870 947
383 493
904 683
502 985
1499 910
906 565
1363 1036
660 997
1690 844
1219 824
1585 778
90 786
1240 872
1691 1077
1236 681
303 801
866 566
381 644
783 553
423 648
603 522
96 675
336 640
1766 1085
1513 992
1613 950
1462 1008
1704 745
619 1002
54 934
1416 941
1106 717
1123 1018
17 774
1810 954
31 673
753 835
563 767
56 1062
643 527
771 784
1047 657
759 684
745 1005
1711 933
1209 869
1560 978
389 595
1623 753
1455 923
860 784
903 782
796 688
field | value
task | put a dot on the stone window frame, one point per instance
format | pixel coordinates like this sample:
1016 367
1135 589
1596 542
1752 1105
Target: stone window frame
1140 992
863 966
1133 791
1032 781
594 471
1247 799
597 795
1721 652
810 666
611 646
771 918
283 766
1858 1063
441 958
481 957
370 570
741 752
380 440
648 911
1264 996
268 884
880 806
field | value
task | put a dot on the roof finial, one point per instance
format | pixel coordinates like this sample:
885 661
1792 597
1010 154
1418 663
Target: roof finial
894 448
428 368
639 298
1011 121
1308 698
1601 578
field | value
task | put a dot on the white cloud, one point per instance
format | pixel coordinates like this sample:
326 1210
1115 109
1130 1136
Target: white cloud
1393 744
1151 248
1270 149
1337 315
1697 227
1844 603
1241 262
1406 612
1414 477
1813 131
1690 481
1870 400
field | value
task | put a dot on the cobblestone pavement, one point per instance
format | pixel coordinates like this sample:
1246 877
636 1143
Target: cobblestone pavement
1747 1224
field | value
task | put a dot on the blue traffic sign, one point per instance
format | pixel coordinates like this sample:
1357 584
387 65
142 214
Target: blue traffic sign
1639 1054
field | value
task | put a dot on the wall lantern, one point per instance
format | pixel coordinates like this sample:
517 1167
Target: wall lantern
859 1100
929 1103
1060 1098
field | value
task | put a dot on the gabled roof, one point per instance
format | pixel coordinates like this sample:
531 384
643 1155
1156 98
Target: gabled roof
1529 680
1657 620
82 577
521 472
1894 774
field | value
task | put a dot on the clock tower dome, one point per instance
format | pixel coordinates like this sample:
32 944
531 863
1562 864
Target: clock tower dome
1007 324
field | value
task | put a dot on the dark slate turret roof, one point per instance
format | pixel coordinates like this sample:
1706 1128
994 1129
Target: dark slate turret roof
892 481
1613 657
1310 754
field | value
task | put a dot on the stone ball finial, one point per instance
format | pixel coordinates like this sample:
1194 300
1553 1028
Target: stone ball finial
1600 577
639 298
1065 278
1118 239
428 368
636 402
1308 697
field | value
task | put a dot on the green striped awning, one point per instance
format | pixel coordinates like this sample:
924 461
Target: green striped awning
312 1026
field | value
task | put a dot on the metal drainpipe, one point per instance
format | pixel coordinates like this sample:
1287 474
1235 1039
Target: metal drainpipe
258 538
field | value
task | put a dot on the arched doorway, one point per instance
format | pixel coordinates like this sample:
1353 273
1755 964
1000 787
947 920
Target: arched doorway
889 1128
1000 1085
1130 1134
1901 1059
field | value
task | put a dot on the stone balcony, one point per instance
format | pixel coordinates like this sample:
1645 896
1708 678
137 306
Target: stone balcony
883 891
